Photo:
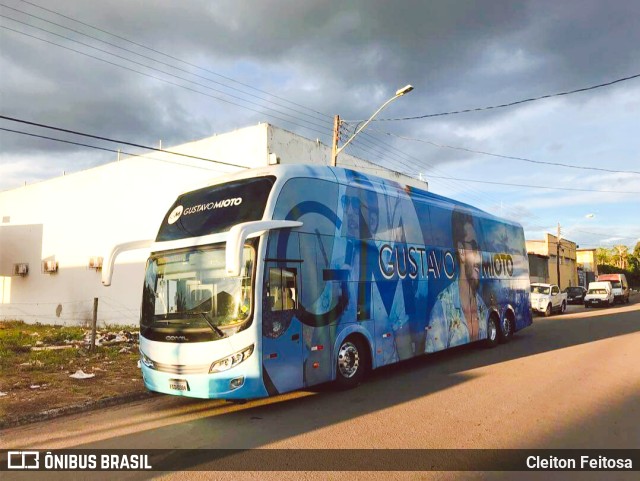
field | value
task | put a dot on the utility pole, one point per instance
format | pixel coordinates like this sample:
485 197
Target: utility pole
336 125
336 139
558 255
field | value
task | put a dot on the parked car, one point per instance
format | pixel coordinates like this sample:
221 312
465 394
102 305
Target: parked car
575 295
619 284
546 298
599 294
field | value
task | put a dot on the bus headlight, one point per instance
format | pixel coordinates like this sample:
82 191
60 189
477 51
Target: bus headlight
146 361
232 360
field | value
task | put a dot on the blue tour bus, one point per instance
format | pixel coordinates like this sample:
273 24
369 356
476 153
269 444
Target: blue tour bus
279 278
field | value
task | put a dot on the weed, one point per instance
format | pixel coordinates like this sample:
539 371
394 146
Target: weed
58 335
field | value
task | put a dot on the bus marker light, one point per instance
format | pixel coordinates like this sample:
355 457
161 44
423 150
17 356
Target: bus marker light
316 365
386 335
317 348
273 355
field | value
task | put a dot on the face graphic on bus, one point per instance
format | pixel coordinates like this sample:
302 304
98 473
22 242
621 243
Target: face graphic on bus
468 250
351 205
361 216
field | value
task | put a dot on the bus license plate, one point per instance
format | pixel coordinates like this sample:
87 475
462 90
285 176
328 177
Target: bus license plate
178 384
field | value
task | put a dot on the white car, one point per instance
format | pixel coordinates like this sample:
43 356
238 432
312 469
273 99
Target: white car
546 298
599 294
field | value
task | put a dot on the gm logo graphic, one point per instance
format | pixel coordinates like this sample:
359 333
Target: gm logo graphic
23 460
175 215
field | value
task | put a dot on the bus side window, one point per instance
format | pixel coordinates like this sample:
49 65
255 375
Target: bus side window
282 292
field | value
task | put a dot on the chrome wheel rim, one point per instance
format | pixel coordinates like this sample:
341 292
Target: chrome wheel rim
493 331
348 360
506 327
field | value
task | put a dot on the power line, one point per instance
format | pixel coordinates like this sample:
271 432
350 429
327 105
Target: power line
147 58
481 197
559 164
74 132
172 57
536 186
517 102
605 233
111 150
161 71
478 195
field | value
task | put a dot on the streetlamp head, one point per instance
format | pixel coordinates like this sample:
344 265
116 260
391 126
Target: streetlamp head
404 90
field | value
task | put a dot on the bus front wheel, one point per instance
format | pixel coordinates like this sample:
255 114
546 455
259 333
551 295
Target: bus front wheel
351 363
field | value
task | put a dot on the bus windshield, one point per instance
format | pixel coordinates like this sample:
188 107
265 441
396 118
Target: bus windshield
190 289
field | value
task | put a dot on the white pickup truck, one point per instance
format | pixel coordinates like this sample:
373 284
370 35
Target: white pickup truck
546 298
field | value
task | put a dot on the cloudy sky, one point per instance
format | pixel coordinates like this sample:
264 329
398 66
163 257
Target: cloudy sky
179 71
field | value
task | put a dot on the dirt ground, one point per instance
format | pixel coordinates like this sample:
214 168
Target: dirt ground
37 361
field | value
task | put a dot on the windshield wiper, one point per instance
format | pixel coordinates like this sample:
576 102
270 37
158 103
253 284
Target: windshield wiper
213 327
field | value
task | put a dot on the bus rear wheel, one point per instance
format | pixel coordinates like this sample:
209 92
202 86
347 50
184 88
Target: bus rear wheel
492 332
351 363
506 328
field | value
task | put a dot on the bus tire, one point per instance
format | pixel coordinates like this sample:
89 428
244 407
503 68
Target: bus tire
351 362
506 328
492 332
548 311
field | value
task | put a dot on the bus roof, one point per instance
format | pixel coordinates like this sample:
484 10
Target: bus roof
342 176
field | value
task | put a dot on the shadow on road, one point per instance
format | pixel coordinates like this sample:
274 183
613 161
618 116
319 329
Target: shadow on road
256 424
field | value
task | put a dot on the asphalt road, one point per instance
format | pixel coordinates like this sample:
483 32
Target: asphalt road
568 381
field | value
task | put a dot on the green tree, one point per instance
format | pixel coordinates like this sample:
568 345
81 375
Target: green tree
634 259
603 256
620 256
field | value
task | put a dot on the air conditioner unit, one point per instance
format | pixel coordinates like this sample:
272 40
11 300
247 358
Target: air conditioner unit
95 263
50 267
20 269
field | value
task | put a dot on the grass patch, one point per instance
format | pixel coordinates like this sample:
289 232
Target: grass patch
34 381
17 338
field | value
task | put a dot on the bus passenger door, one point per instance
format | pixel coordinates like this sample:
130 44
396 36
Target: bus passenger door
281 329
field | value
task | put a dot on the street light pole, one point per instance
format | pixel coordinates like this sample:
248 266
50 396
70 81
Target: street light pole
336 125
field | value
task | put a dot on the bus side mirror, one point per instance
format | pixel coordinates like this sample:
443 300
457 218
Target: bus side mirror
239 234
110 260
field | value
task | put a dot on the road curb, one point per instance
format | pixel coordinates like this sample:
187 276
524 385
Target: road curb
76 408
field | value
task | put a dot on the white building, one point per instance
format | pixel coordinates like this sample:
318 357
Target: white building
53 233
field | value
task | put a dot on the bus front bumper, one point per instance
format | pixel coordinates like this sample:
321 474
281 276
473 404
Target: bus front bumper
234 384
